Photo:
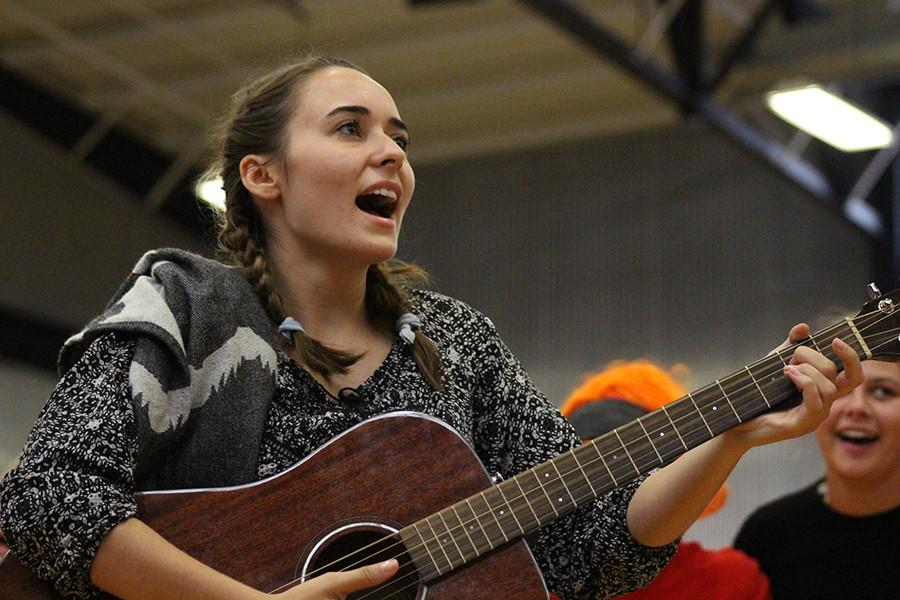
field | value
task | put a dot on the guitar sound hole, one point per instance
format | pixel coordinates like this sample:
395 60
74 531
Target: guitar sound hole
355 548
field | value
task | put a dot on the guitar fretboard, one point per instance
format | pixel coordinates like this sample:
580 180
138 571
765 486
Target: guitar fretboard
520 505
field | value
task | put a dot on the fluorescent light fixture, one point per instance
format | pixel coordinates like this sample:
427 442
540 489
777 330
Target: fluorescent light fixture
829 118
211 192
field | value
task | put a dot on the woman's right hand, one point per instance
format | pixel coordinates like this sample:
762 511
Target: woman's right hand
136 563
338 585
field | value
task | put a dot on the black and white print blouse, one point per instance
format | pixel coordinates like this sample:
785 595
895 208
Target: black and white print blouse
76 478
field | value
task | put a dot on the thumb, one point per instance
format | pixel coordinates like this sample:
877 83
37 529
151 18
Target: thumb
798 333
364 577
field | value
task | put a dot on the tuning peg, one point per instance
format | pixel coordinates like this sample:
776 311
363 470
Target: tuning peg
873 291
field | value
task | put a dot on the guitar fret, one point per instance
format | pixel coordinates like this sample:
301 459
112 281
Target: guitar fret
439 544
778 354
580 468
774 375
729 402
710 400
761 393
554 486
425 545
694 402
563 481
493 514
651 441
825 338
815 345
666 412
543 489
626 451
511 509
616 458
660 430
418 552
487 538
462 525
603 460
462 557
537 519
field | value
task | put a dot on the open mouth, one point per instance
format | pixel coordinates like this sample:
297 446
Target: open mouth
381 203
857 438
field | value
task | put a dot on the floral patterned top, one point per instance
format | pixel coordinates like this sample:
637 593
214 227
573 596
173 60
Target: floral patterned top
76 478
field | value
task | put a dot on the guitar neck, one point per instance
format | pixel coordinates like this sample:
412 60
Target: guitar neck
522 504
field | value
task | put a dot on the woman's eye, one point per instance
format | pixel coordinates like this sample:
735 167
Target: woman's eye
402 141
350 128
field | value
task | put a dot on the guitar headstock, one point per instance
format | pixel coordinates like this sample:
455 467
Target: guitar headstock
878 323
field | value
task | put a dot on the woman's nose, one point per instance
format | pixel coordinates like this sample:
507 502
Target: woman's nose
388 152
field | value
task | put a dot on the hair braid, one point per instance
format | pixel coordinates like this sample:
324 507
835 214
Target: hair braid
237 244
386 300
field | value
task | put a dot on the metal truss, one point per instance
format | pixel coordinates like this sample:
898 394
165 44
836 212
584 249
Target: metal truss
691 85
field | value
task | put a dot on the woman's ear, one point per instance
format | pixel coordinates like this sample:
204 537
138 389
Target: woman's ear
259 177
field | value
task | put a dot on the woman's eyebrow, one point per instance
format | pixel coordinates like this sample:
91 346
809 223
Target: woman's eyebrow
362 110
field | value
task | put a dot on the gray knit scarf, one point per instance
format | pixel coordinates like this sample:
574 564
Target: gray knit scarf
203 372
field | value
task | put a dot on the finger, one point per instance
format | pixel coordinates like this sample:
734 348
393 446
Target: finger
798 333
814 358
817 390
853 374
364 577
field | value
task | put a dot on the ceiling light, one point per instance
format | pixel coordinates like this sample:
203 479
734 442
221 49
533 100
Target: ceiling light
211 192
829 118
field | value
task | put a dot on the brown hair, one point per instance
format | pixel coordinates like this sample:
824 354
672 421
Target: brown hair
255 124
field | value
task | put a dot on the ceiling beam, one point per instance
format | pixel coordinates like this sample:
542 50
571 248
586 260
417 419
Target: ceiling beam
742 45
580 24
128 162
688 44
73 46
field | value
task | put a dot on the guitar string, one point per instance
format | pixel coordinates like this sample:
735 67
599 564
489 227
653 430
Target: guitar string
461 523
416 582
475 519
652 449
525 494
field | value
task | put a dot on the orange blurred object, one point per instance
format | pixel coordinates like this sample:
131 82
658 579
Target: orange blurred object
643 384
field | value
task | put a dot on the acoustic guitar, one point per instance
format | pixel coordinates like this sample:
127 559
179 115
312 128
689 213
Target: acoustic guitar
406 485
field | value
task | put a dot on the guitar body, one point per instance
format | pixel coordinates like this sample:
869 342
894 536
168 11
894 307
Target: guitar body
377 477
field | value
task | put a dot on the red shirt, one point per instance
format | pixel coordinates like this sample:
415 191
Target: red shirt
694 572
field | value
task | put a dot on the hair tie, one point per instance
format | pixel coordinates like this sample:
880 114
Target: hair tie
288 327
406 325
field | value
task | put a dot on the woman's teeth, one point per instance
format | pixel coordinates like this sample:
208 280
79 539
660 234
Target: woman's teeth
385 192
379 202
